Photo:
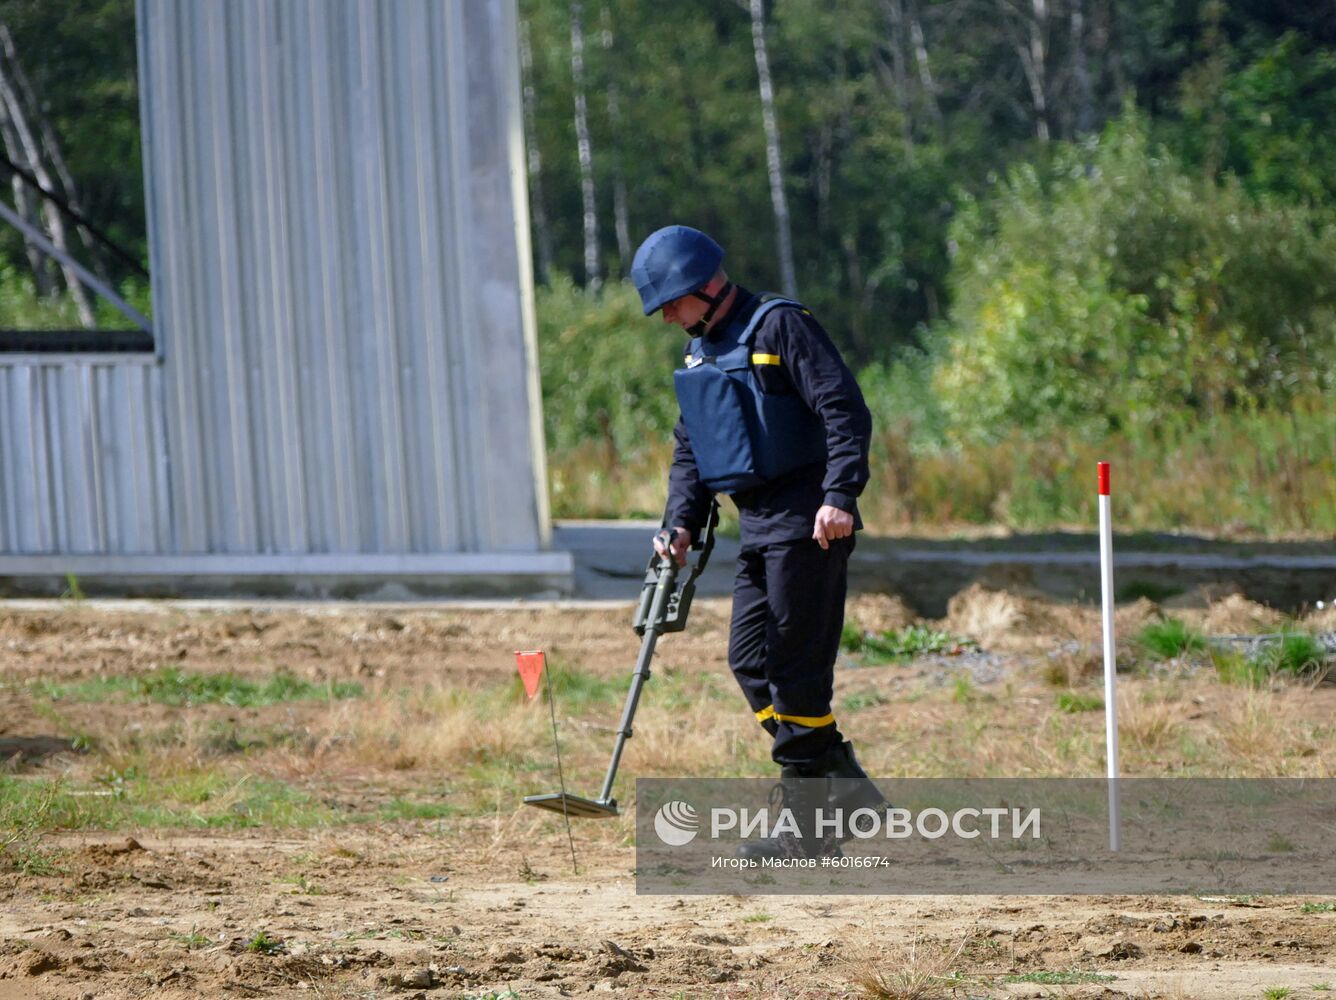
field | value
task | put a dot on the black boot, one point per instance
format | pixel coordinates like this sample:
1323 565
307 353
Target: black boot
850 788
802 794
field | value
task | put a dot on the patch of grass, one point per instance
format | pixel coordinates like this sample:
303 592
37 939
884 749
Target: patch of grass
263 944
863 699
403 809
1321 987
910 641
1070 667
174 686
1296 653
193 798
1279 844
302 885
1070 978
919 971
1169 638
851 638
1239 671
1075 701
1318 908
22 818
757 918
963 691
1277 992
193 940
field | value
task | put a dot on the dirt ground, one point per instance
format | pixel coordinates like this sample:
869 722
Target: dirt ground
485 904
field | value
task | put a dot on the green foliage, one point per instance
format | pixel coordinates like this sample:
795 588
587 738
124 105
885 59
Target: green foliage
1169 638
901 644
174 686
192 941
1318 908
1075 701
1110 290
1241 671
196 798
607 370
1296 653
265 944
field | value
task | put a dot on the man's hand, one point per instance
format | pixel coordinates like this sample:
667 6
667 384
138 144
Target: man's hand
681 543
831 523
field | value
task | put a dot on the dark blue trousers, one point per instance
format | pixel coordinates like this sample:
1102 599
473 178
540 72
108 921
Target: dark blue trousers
788 609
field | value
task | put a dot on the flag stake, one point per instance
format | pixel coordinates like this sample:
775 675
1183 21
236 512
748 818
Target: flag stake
561 778
1110 660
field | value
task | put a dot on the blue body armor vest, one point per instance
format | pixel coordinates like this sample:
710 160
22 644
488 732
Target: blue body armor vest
741 436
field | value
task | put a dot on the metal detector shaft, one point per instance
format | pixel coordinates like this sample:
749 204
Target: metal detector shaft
653 625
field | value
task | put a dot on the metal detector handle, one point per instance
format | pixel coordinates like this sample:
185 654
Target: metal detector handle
674 616
679 603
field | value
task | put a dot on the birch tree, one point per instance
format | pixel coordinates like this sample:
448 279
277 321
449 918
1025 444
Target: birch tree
1033 52
32 159
584 151
774 164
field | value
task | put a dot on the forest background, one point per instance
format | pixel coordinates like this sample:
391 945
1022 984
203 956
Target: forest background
1044 233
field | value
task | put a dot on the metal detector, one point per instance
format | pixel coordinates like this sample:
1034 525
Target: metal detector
663 608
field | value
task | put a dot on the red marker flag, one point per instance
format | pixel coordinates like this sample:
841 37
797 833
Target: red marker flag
530 666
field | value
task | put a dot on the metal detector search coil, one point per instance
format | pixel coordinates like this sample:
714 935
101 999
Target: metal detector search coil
663 608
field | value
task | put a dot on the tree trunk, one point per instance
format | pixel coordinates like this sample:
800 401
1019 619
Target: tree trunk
925 74
593 274
51 147
38 262
621 225
1033 54
1085 101
55 225
894 12
783 234
537 210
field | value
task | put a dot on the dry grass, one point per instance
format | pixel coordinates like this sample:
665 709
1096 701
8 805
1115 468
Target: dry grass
440 729
1150 725
1072 666
1236 615
878 613
993 618
1251 729
920 970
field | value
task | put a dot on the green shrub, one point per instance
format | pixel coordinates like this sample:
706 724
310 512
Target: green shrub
1169 638
1296 653
1112 288
1243 671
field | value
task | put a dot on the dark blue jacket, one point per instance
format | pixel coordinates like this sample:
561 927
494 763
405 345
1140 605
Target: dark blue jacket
811 366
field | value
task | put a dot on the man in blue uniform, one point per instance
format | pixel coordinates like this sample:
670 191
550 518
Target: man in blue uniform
773 416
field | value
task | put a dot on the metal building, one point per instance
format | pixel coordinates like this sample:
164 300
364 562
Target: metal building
343 391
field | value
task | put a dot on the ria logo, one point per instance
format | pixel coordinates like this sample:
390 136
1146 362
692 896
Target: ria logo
676 824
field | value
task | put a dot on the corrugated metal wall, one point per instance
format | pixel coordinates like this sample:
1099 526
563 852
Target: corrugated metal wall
83 459
341 276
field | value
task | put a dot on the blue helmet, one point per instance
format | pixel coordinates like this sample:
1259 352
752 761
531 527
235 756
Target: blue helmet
675 261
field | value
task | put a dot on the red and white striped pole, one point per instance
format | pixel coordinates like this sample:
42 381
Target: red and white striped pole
1110 664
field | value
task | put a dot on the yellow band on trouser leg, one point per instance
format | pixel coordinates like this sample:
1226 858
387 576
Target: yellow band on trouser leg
810 721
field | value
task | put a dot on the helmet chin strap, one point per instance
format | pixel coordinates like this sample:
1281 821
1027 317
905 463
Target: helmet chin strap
702 325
